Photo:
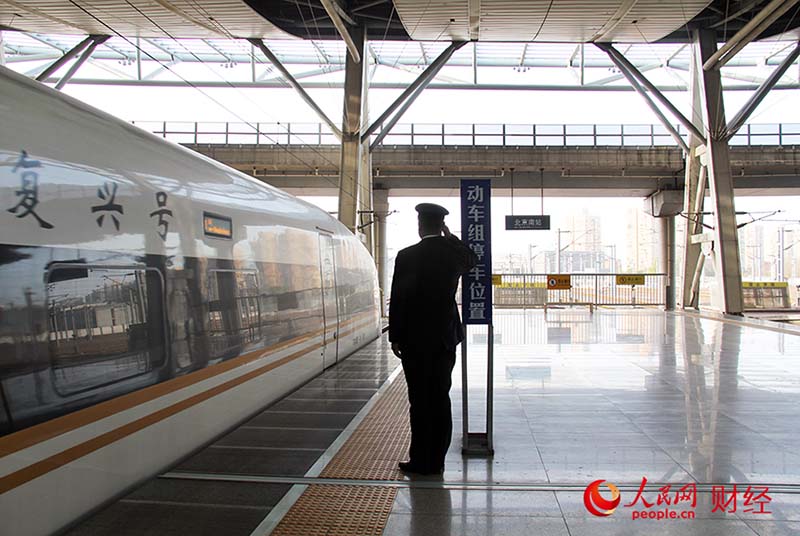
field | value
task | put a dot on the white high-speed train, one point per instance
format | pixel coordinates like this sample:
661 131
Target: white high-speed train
150 300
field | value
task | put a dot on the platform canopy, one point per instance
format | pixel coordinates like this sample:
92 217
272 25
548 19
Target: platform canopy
559 21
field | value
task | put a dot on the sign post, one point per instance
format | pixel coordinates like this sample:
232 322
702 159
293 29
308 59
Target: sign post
476 302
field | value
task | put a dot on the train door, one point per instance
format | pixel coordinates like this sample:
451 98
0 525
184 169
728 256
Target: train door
330 307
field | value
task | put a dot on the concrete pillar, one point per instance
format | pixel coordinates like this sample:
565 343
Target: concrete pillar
350 165
717 161
2 50
381 252
667 260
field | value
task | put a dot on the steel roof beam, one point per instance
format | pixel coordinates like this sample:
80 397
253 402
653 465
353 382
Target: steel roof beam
422 80
748 109
296 85
624 65
31 57
368 5
616 77
96 41
395 85
393 121
656 110
337 16
45 41
56 65
750 32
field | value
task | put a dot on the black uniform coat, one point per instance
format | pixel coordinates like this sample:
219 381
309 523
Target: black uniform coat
423 310
424 322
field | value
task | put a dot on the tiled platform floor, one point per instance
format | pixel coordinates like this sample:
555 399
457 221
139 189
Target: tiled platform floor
620 395
283 441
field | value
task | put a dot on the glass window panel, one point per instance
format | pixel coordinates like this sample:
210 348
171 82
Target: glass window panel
636 129
422 128
664 140
580 140
396 140
458 140
106 325
550 140
488 140
519 140
609 129
427 140
401 128
763 128
580 129
637 140
519 129
488 129
242 139
740 139
763 139
549 129
458 129
609 140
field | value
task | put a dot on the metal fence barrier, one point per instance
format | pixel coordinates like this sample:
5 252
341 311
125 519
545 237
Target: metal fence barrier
530 290
262 133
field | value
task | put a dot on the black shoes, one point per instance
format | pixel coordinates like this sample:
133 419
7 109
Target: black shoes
411 468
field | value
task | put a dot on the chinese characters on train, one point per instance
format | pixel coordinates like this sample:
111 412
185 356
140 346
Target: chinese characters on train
28 170
28 193
476 232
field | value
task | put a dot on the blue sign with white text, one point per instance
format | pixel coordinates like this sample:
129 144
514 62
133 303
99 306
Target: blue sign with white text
476 232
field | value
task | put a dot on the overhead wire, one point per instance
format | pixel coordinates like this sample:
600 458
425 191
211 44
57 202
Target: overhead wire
284 147
308 31
544 20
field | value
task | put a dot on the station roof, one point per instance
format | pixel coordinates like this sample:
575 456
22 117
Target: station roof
567 21
22 46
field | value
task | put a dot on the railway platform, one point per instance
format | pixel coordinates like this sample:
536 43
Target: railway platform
692 419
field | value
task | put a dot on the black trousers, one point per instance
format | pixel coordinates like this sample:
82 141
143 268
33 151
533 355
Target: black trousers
428 374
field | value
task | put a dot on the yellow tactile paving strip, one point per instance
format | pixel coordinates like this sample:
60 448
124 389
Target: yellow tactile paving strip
371 453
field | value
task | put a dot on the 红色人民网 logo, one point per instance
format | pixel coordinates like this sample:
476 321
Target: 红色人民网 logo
596 503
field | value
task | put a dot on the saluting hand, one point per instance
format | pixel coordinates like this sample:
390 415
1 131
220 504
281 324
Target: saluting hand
446 232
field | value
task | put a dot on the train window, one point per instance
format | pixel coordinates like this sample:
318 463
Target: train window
106 325
234 311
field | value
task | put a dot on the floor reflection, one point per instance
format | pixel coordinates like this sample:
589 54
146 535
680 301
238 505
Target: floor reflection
631 393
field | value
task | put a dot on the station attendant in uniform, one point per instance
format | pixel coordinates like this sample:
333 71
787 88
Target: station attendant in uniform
424 329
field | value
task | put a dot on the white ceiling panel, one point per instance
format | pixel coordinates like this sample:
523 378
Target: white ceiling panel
572 21
143 18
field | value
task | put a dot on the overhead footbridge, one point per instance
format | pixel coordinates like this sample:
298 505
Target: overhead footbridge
564 160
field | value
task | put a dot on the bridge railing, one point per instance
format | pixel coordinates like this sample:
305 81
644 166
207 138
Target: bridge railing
530 290
472 135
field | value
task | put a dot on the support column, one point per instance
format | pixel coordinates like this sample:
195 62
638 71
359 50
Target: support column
667 227
365 198
717 161
692 203
381 204
350 162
